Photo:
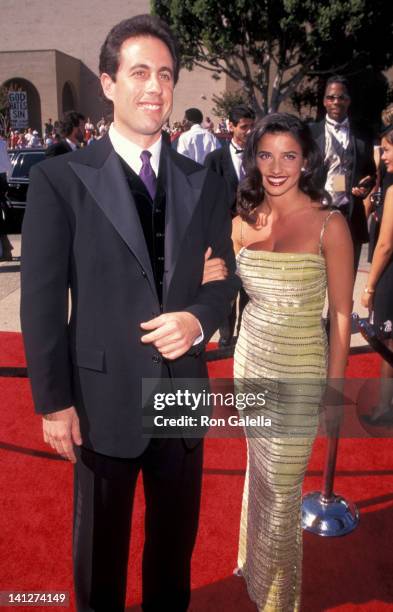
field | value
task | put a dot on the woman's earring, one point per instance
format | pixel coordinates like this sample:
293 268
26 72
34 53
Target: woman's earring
302 169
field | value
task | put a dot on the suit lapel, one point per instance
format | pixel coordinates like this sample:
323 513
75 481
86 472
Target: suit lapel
182 195
107 185
320 139
230 169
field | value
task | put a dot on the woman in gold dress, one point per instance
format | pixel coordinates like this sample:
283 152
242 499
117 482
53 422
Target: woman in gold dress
290 249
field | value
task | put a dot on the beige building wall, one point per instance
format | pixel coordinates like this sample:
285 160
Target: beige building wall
68 70
77 28
39 68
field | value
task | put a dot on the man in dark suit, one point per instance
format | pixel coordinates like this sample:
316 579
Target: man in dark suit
228 163
349 168
72 130
124 224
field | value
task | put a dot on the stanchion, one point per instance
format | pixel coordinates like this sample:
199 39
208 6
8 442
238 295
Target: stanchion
325 513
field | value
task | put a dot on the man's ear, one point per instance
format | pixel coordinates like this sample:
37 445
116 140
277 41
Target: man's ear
107 85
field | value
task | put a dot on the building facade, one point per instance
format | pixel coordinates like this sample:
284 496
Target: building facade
49 49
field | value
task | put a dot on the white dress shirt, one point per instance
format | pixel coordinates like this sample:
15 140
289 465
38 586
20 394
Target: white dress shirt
237 158
339 130
196 143
71 144
131 152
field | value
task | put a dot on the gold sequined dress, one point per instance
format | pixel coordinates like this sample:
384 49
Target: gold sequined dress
282 350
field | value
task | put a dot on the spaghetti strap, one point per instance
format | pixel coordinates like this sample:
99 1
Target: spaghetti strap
332 212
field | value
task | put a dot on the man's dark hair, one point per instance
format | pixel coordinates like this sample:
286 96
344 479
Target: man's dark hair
240 112
193 115
341 80
70 121
141 25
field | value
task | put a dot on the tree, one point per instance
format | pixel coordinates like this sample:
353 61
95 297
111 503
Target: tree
270 47
4 109
226 101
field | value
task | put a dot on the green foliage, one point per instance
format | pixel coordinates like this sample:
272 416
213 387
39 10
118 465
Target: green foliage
270 46
4 103
4 109
226 101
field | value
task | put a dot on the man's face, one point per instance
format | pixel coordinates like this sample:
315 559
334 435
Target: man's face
241 131
78 131
336 101
142 94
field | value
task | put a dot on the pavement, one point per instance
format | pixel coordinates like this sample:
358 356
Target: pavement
10 291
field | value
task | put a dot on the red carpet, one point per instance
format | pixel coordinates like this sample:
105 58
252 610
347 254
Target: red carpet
350 573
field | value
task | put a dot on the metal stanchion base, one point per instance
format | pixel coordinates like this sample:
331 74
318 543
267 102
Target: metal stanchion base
333 517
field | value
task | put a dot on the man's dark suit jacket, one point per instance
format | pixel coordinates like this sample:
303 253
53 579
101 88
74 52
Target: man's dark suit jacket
363 165
58 148
82 231
220 161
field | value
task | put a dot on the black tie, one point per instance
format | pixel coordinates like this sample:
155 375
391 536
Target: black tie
237 151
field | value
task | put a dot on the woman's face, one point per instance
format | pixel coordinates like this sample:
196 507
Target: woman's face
387 154
279 160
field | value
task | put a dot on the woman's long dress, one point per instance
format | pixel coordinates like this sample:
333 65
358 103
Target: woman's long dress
281 349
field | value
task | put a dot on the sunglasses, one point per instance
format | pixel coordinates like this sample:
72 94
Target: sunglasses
341 97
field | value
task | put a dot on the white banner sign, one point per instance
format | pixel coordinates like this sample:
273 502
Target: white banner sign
19 115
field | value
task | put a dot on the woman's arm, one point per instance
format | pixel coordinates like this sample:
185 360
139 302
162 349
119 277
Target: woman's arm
338 252
383 250
236 234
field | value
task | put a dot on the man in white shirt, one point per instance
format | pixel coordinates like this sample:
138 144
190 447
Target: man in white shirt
196 142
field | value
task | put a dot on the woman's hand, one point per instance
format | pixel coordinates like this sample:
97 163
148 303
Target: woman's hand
363 188
215 269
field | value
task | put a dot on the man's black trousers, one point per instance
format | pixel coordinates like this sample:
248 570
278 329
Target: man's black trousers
103 500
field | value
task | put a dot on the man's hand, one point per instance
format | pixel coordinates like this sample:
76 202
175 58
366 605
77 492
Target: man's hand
362 191
214 269
172 333
367 300
61 431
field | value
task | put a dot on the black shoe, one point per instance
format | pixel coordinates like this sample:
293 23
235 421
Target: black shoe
226 342
384 419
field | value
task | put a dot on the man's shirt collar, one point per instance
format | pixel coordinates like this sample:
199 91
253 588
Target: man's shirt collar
130 152
338 125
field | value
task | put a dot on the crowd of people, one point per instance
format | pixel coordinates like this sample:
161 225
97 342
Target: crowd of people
30 138
54 131
164 239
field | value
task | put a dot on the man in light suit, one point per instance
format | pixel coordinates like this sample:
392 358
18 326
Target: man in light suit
124 224
228 163
349 168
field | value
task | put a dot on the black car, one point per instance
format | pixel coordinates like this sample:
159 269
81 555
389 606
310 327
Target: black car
22 161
